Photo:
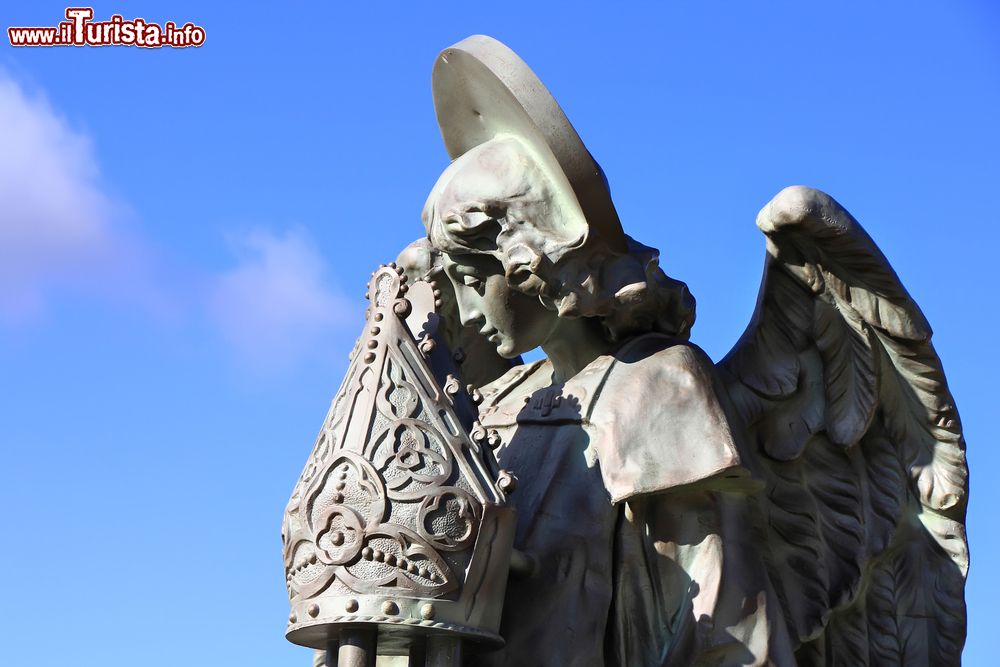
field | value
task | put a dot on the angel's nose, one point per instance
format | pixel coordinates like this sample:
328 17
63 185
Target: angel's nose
469 313
471 318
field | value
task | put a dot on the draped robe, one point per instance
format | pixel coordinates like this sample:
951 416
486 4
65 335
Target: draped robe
634 506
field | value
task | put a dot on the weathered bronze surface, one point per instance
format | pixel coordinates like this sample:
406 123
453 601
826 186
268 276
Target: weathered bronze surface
800 502
396 530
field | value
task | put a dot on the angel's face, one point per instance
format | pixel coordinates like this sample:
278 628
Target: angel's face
486 213
512 321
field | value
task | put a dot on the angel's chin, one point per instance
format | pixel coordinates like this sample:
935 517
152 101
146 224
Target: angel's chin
505 348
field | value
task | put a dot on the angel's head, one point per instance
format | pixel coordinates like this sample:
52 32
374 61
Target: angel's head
521 256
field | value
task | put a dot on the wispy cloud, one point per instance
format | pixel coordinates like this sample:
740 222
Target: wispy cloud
56 225
60 233
275 307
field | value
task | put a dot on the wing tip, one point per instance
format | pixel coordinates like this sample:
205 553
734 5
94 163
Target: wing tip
794 205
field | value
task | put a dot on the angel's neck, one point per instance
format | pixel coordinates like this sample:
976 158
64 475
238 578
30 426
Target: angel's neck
573 345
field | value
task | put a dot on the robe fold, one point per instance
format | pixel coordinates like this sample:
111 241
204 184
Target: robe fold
632 501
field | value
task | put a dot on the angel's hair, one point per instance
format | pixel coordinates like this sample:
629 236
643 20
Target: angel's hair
577 276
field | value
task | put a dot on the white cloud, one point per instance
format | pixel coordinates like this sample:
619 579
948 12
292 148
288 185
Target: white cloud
55 223
60 233
275 307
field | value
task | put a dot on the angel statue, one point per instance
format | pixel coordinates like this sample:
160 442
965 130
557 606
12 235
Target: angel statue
800 502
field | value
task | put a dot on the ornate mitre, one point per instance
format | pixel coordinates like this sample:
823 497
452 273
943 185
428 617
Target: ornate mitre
397 524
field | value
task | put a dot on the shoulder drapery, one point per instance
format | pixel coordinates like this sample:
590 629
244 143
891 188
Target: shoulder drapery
690 587
659 422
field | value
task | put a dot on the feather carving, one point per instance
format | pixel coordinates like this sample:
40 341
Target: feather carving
844 403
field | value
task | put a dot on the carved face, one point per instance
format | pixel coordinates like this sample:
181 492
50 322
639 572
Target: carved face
512 321
495 215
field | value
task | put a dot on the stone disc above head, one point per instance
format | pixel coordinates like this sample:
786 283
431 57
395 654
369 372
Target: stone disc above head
482 90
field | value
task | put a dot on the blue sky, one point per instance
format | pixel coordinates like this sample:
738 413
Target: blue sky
185 236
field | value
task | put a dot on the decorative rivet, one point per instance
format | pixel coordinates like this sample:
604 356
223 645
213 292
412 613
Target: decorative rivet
339 486
338 497
367 553
372 344
403 289
337 539
437 293
374 331
427 612
412 568
390 559
351 606
402 278
403 564
378 555
390 608
478 433
392 265
506 481
292 617
378 317
474 394
369 357
312 558
424 572
313 610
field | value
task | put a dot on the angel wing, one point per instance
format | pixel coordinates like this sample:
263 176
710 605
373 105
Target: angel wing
847 417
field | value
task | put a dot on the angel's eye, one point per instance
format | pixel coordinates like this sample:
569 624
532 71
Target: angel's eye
472 281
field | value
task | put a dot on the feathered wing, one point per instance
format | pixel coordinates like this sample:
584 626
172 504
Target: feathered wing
847 417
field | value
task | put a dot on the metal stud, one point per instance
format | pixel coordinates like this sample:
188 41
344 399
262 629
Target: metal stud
506 481
474 394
